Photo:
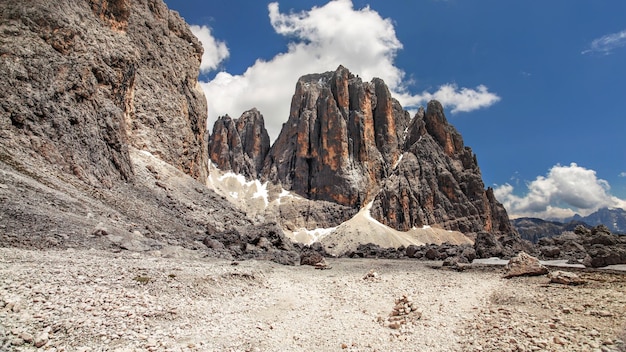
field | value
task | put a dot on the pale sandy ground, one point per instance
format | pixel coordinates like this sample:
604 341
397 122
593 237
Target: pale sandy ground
81 300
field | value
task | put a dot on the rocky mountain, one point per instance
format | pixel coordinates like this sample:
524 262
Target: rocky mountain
349 143
614 219
341 139
240 145
102 134
438 181
533 229
103 145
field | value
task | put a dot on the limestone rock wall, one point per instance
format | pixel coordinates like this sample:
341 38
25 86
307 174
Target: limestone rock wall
84 80
340 139
438 182
240 145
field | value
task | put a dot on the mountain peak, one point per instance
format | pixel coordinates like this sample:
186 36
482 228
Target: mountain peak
240 144
351 143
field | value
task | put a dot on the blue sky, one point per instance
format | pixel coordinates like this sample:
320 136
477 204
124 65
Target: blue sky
536 88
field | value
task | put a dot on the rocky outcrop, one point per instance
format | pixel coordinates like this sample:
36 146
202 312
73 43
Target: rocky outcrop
349 142
308 214
240 145
438 181
342 137
533 229
266 242
86 80
596 247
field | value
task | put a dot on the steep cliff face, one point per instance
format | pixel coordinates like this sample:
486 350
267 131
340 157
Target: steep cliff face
240 145
102 124
438 182
349 142
86 80
341 137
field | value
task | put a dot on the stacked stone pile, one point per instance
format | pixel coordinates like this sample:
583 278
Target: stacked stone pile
404 312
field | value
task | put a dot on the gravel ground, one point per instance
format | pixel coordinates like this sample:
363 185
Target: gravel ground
91 300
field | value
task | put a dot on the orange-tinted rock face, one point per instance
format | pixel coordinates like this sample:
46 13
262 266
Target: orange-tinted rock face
240 145
349 142
438 182
337 144
113 12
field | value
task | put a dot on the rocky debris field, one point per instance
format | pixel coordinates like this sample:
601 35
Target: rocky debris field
92 300
529 314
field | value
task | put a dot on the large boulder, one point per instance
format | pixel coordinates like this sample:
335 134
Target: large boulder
524 265
600 256
565 278
486 245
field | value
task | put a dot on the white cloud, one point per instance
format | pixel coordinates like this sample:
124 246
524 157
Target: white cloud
622 174
566 190
320 40
607 43
215 51
460 100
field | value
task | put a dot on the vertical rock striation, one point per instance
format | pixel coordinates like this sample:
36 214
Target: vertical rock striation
84 80
340 139
240 145
438 182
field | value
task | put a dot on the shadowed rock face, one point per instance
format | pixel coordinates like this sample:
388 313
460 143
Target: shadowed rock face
84 80
438 182
240 145
341 137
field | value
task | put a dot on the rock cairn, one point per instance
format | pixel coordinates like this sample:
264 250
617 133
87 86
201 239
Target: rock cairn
371 276
404 312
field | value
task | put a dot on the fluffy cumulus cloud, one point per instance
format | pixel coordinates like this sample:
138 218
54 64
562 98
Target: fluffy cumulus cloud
321 39
215 51
460 100
564 191
607 43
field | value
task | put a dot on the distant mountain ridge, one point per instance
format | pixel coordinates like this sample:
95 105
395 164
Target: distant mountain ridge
614 219
532 229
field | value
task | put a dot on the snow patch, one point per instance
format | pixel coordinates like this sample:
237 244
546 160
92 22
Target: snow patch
261 191
315 235
286 194
243 190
